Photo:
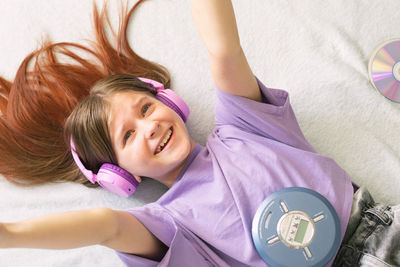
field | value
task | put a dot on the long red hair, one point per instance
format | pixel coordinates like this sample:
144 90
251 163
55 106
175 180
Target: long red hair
46 89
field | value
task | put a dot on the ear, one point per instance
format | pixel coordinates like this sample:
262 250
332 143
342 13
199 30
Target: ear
138 178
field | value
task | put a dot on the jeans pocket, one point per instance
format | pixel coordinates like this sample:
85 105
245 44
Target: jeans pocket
368 260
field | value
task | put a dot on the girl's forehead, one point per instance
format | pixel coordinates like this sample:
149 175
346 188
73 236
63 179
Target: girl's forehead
131 95
122 105
115 97
121 101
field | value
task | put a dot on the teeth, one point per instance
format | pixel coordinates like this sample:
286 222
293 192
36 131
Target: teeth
164 141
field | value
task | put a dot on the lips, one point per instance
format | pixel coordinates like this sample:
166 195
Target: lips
164 141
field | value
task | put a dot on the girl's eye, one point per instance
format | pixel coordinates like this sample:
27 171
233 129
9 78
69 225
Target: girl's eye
145 108
127 135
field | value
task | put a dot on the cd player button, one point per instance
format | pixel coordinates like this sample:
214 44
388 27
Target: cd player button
320 217
273 240
284 207
308 252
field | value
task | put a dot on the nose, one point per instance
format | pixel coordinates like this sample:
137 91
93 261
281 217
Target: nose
152 128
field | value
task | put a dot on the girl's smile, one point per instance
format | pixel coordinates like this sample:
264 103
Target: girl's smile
165 142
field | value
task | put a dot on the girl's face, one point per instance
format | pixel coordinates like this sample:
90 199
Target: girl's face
149 138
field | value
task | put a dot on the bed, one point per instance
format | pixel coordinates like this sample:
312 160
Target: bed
316 50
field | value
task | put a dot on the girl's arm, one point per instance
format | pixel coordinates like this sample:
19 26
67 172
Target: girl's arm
99 226
215 21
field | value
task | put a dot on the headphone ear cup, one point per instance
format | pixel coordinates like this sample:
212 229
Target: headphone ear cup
175 102
116 180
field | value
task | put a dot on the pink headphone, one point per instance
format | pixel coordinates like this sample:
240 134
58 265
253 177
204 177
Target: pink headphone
114 178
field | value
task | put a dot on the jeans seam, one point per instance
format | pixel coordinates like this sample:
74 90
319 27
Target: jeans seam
370 231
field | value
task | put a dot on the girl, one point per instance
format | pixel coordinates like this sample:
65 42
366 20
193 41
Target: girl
205 217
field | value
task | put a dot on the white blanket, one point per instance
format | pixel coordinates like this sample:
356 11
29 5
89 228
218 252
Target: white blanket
316 50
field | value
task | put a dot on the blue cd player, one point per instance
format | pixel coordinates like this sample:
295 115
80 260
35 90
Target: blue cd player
296 227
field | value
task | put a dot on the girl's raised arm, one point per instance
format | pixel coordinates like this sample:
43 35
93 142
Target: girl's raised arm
99 226
215 21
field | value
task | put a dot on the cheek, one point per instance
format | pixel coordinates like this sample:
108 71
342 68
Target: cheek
132 158
183 143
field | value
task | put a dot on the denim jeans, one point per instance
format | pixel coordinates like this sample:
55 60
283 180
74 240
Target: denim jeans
372 237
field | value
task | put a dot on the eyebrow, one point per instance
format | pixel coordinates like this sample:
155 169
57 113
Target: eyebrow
121 130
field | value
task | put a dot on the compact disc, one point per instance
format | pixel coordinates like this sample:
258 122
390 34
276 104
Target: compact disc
384 69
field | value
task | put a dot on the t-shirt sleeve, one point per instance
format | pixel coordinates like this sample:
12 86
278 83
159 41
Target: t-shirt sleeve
272 118
184 247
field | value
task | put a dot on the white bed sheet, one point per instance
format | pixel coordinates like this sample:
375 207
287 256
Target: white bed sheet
316 50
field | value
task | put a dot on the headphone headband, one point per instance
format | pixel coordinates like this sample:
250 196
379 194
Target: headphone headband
87 173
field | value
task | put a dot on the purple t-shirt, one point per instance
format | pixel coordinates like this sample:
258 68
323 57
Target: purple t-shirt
205 218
